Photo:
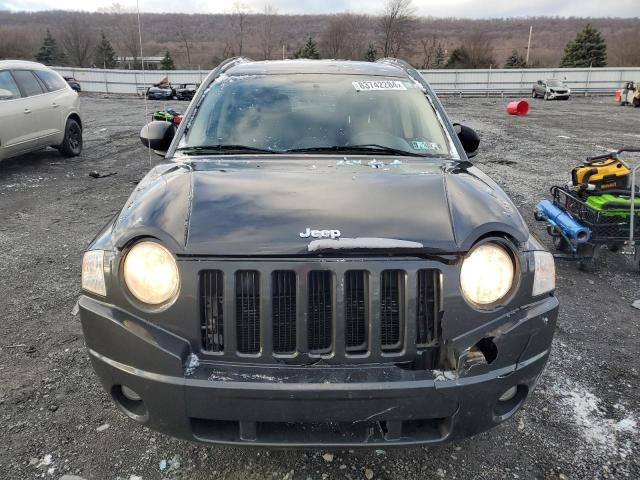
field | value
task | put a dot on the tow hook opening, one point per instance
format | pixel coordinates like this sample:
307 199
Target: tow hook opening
130 402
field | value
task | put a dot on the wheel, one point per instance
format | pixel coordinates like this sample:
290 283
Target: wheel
546 95
71 146
561 244
593 251
636 102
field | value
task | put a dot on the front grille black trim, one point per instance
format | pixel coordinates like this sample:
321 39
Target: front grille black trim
427 307
211 310
320 311
356 317
391 309
284 315
248 311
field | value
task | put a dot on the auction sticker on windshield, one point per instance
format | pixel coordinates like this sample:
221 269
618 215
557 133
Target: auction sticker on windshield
370 85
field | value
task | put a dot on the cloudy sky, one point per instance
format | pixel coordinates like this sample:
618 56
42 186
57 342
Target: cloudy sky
447 8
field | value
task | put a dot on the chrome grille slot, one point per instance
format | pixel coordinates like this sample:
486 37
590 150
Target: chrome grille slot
283 290
248 311
320 311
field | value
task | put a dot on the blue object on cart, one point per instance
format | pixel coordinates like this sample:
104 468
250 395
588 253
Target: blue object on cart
563 221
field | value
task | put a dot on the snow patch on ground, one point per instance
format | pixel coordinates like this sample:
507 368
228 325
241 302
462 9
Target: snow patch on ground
606 435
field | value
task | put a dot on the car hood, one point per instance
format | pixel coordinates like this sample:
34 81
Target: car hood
235 207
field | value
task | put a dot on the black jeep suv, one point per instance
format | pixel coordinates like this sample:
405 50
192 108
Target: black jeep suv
316 262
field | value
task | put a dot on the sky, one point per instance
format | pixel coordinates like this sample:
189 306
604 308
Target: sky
436 8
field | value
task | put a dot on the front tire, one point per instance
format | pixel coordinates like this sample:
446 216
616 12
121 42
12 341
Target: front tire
636 102
71 146
546 95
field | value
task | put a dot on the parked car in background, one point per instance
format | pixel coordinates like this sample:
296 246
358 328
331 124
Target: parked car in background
551 89
73 83
37 109
186 91
161 91
629 94
366 285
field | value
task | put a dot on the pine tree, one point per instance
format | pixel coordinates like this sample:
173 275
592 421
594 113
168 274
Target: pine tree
587 50
515 60
372 54
105 55
309 50
167 62
50 53
440 56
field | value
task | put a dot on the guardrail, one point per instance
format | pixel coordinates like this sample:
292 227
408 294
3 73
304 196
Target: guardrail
506 82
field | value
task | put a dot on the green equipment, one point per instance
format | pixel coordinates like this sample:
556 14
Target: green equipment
612 205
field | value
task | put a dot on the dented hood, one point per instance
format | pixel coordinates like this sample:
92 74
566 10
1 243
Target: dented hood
235 207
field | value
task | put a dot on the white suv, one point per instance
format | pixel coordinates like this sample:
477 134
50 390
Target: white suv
37 109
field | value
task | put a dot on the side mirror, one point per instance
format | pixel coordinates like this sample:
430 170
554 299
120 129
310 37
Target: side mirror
468 138
157 136
6 94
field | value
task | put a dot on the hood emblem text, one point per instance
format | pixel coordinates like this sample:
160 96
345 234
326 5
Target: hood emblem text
320 233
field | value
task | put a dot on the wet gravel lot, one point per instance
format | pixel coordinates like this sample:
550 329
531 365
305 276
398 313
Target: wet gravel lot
55 419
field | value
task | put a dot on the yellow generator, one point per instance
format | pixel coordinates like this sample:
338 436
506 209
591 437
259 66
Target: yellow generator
601 173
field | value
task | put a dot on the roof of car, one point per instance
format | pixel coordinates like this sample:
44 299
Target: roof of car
22 64
344 67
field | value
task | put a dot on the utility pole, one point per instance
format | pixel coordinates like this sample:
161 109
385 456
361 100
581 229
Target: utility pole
529 44
283 55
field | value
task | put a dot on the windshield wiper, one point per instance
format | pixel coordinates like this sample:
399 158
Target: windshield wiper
365 148
204 149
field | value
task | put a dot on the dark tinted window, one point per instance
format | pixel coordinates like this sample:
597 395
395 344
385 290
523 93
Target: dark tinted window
7 83
28 82
51 80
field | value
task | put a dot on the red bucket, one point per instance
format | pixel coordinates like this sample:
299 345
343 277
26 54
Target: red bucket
521 107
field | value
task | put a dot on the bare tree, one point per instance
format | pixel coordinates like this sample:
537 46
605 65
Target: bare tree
240 15
77 43
479 48
396 23
126 24
15 42
429 49
185 39
268 30
344 36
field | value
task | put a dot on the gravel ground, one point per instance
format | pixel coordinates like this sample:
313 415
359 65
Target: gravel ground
581 422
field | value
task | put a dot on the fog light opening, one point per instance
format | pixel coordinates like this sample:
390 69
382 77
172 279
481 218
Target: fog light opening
130 402
510 402
488 349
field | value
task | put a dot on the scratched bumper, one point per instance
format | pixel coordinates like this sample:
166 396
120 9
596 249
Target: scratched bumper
382 405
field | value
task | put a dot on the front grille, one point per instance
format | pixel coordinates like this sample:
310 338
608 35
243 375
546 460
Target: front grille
248 311
355 310
390 305
334 313
211 295
283 288
319 311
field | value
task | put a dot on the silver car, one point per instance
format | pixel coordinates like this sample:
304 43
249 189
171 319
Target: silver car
37 109
551 89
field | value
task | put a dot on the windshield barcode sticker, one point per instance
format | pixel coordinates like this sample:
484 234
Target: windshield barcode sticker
370 85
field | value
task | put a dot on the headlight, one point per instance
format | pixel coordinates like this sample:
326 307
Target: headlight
93 272
487 274
150 273
544 279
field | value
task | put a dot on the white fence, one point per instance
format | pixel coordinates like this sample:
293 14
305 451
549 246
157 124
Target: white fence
464 82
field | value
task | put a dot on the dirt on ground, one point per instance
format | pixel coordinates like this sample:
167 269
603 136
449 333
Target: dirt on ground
55 419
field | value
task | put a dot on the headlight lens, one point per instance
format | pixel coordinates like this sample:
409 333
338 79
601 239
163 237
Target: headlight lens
150 273
544 279
93 272
487 274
